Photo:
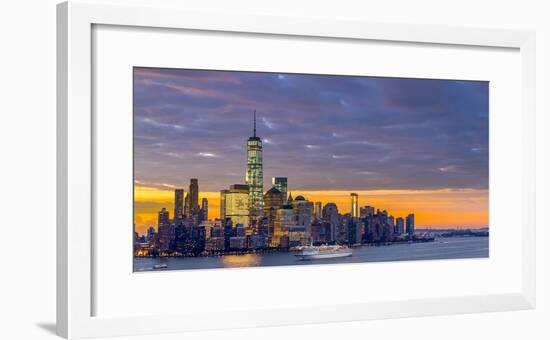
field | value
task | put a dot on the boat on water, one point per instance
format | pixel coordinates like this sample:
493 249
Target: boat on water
160 266
324 252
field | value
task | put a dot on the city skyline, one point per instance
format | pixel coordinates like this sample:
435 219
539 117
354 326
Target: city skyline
444 180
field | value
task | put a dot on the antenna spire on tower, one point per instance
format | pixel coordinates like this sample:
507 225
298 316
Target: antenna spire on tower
254 123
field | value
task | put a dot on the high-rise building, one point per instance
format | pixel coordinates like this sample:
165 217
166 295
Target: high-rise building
391 223
284 219
255 175
186 206
193 201
303 211
236 204
203 213
179 197
410 224
366 211
273 200
281 183
400 225
164 230
318 211
222 203
151 232
354 205
331 216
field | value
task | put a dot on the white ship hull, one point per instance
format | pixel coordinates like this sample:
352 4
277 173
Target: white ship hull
325 255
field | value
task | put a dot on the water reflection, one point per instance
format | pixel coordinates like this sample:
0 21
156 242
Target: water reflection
247 260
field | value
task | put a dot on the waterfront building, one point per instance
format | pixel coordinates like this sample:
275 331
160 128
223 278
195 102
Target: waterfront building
214 244
254 176
318 211
257 242
281 183
298 236
284 218
321 232
164 230
400 225
210 226
410 224
354 205
179 197
273 200
240 230
193 201
236 204
197 239
237 242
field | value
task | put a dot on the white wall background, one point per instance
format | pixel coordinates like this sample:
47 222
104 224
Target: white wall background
27 168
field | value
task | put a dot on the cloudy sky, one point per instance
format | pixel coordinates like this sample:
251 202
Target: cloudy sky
325 133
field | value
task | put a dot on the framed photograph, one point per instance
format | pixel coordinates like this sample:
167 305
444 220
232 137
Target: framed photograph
218 170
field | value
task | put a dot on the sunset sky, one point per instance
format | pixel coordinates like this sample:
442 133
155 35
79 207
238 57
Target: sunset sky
404 145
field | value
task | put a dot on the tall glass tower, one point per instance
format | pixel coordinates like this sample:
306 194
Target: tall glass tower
255 175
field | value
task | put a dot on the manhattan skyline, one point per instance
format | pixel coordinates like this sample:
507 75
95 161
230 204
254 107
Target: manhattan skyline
400 143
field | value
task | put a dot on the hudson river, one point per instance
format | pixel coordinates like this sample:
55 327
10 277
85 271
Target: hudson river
443 248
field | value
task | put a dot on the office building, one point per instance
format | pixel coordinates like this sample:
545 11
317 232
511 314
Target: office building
236 204
284 218
410 224
193 201
164 230
366 211
303 211
331 216
354 205
400 225
203 212
179 197
273 200
254 176
222 203
281 183
318 211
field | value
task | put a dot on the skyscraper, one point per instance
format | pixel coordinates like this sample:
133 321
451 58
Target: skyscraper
303 211
366 211
255 175
354 205
203 213
236 204
273 200
284 218
222 203
409 222
164 229
193 201
178 205
331 215
281 183
400 225
317 211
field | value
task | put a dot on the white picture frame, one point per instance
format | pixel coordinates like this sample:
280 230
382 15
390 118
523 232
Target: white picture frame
75 180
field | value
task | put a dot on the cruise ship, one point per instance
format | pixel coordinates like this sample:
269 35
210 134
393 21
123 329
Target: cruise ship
324 252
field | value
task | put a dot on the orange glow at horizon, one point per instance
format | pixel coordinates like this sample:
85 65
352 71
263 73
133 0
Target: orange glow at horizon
432 208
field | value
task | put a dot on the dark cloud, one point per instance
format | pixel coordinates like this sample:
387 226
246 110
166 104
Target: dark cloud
322 132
